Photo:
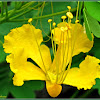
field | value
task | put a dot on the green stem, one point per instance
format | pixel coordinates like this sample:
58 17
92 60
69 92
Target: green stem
9 15
15 5
25 12
40 17
2 10
18 5
14 12
6 9
80 8
86 93
8 12
22 8
25 6
1 42
75 94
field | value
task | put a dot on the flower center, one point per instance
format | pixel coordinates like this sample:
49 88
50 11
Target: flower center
53 77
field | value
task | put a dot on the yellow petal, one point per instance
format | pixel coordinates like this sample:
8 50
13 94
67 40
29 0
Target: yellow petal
24 37
75 37
92 64
43 58
84 77
53 89
28 72
79 38
29 39
23 69
17 59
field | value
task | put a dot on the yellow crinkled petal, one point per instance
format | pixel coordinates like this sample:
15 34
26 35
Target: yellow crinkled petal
81 43
53 89
24 37
17 59
29 39
23 69
84 77
28 72
75 37
9 59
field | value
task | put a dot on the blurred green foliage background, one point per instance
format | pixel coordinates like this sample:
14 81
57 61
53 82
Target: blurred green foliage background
15 14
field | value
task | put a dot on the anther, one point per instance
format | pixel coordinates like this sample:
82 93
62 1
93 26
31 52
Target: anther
66 28
62 29
69 7
69 27
54 23
49 20
63 17
76 21
30 20
70 15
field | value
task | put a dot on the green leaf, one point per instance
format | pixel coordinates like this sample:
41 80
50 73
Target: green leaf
35 84
4 79
80 8
93 9
95 51
94 25
2 54
76 60
22 92
87 27
27 90
97 85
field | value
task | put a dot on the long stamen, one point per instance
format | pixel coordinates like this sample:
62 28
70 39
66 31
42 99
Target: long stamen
70 16
72 45
68 60
60 52
66 56
30 20
51 37
63 57
57 68
54 24
77 10
63 50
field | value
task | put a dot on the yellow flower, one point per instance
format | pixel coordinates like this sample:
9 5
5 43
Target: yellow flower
25 42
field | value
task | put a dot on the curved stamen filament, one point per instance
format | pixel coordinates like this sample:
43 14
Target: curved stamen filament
65 56
40 53
77 10
73 45
59 56
52 41
70 61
